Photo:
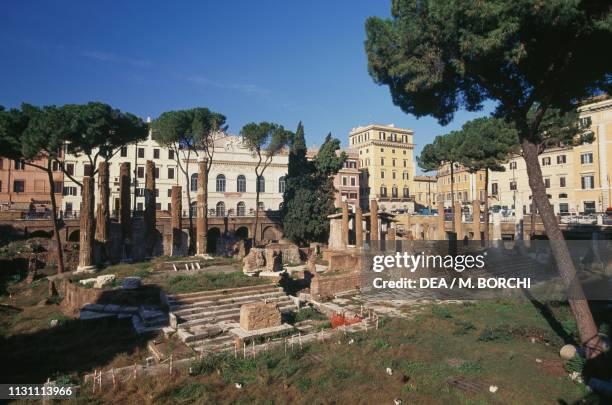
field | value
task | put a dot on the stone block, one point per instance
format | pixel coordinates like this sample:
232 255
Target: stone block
259 315
255 261
274 260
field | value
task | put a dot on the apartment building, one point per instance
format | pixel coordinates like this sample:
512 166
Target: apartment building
467 186
386 164
26 188
231 182
577 178
425 192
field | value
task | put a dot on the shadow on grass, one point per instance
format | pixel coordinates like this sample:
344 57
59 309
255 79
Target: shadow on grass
72 347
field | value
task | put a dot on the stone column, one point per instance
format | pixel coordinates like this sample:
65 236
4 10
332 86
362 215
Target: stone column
390 234
476 219
358 226
374 233
125 206
87 226
102 214
150 202
440 223
176 218
345 224
202 208
457 220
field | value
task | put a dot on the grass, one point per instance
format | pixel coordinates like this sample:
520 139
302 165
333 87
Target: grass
423 353
210 281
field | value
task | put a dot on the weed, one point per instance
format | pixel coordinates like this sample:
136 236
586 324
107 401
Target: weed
463 328
304 384
441 312
495 334
379 343
469 367
575 364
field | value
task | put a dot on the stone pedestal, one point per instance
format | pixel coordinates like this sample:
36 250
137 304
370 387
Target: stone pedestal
335 234
259 315
255 261
274 260
374 232
202 207
86 226
441 231
358 227
476 219
345 224
150 203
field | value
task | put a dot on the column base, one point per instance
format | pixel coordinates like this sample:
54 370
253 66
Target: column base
204 256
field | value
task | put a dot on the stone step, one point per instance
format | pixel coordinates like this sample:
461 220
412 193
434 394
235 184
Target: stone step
213 299
213 344
197 306
219 309
223 292
231 316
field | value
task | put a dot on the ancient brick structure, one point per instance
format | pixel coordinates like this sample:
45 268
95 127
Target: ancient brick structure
202 207
441 232
150 204
358 227
102 215
457 220
176 221
476 219
124 200
86 226
345 224
326 286
374 234
259 315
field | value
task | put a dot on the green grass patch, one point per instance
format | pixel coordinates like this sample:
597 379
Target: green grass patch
211 281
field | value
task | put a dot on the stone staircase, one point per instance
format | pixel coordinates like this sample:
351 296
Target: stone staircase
203 319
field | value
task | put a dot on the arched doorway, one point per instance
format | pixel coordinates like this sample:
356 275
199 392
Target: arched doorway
212 236
242 232
75 236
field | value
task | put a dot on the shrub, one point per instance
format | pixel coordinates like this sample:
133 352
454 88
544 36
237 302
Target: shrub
463 328
441 312
492 334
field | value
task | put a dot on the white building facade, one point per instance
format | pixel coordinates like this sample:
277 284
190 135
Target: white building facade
231 181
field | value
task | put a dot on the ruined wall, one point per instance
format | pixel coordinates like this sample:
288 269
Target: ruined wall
326 286
345 262
75 297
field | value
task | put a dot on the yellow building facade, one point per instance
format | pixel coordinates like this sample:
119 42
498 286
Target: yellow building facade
467 186
425 192
577 178
387 167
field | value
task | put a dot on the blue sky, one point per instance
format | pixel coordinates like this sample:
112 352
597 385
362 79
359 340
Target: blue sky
277 61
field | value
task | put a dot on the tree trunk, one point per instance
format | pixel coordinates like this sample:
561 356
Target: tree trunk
580 307
486 206
58 240
452 171
256 213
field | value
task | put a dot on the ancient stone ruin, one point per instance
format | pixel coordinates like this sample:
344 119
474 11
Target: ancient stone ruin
259 315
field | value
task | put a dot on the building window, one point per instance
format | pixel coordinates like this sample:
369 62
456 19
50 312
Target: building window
58 187
194 182
261 184
170 207
546 161
393 175
561 159
561 181
589 207
70 190
70 169
394 191
241 184
406 192
157 193
281 185
383 191
241 209
140 172
512 165
513 185
87 169
169 193
170 154
170 172
563 195
382 161
261 206
19 165
588 182
140 192
55 166
158 206
547 183
584 122
220 183
220 209
494 189
353 182
344 181
141 152
393 162
156 172
155 153
586 158
563 208
382 174
18 186
123 151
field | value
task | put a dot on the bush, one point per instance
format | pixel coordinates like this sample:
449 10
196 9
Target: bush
441 312
463 328
575 364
